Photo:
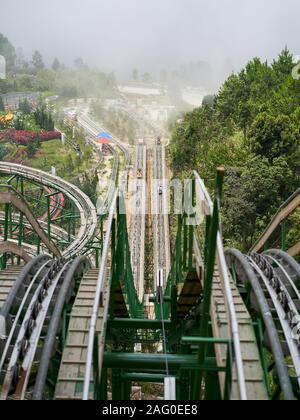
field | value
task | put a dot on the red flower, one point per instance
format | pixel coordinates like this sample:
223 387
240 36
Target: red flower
23 137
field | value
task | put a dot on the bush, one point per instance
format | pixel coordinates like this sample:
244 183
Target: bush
23 137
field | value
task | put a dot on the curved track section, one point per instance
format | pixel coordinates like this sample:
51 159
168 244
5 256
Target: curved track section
24 339
248 277
275 295
87 211
12 197
30 322
76 271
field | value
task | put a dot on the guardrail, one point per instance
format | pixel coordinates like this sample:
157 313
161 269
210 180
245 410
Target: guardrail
290 205
214 256
102 279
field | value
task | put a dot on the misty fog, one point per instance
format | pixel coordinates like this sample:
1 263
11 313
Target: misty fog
119 35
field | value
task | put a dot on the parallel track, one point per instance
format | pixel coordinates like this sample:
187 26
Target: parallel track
161 223
138 220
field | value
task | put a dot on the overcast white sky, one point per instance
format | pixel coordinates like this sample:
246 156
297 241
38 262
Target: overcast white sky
150 34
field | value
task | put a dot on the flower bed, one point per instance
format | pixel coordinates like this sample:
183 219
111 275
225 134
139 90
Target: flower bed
24 137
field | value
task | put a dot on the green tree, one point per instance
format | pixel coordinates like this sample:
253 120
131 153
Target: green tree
2 107
253 196
37 61
80 64
284 65
3 151
273 136
32 148
56 65
25 107
8 51
69 163
208 100
146 77
135 75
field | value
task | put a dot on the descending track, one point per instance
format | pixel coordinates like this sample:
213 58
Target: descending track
240 313
138 220
161 221
273 278
77 372
31 316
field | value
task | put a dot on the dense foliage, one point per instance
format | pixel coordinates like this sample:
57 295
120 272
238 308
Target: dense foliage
24 137
252 127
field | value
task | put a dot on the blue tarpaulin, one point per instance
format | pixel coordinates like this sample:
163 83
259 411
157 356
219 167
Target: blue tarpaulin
104 135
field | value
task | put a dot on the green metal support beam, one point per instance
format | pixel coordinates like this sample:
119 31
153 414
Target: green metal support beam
145 361
204 340
144 377
139 324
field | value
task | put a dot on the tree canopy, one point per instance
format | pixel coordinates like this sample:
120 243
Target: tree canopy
252 127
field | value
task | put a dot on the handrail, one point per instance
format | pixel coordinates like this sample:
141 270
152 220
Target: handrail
224 278
99 289
288 207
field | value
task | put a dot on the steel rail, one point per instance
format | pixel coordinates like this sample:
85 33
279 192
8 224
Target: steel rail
289 261
276 292
93 129
20 281
46 289
80 263
248 275
34 339
224 277
19 313
100 286
286 275
161 248
138 223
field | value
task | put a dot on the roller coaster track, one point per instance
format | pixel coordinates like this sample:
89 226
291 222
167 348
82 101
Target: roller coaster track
103 307
88 319
275 296
25 332
87 211
93 129
39 295
284 211
7 280
229 316
161 221
138 220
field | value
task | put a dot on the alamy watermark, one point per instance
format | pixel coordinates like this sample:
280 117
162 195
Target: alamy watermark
2 67
166 197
